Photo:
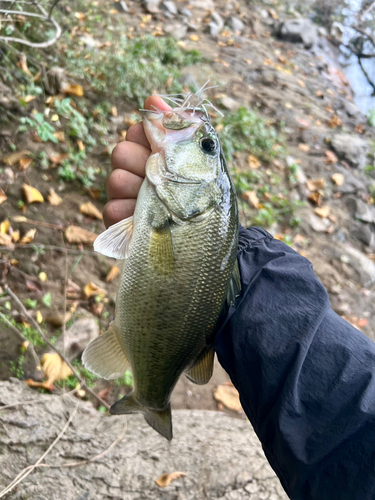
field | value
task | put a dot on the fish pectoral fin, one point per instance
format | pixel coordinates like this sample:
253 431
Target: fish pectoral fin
114 242
161 421
202 371
105 357
234 286
161 254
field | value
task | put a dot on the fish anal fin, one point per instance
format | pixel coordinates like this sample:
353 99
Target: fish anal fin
105 357
202 371
115 241
161 421
161 255
234 286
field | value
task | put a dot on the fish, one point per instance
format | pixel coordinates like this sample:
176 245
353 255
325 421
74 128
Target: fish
180 271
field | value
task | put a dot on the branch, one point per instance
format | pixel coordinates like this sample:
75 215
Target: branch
364 33
64 358
367 76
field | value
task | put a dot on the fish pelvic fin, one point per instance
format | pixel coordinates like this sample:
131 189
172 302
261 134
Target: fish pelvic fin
161 421
202 371
234 287
105 357
115 241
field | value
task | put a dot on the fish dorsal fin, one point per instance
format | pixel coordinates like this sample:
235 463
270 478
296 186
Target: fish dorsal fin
161 254
105 357
114 242
201 373
234 287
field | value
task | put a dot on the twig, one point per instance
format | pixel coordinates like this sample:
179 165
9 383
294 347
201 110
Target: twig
64 358
364 33
49 247
20 334
52 7
366 75
22 475
24 220
368 10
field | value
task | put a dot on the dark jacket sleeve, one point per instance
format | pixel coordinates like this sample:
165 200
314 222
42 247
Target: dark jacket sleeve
305 376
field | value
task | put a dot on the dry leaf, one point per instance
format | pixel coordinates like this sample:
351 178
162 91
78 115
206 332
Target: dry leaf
28 237
32 195
22 64
334 122
359 128
338 179
38 317
58 158
97 309
81 146
315 184
288 105
90 210
165 479
91 290
362 322
75 234
75 90
94 193
3 196
58 319
253 162
19 218
13 158
16 235
301 83
43 385
25 163
114 271
252 198
323 211
42 276
54 367
304 147
53 198
330 157
6 240
114 111
228 396
319 93
194 38
60 136
4 226
316 198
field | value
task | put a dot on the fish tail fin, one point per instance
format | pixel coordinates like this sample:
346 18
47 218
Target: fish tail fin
104 356
161 421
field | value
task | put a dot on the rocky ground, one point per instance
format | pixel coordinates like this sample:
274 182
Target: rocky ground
315 190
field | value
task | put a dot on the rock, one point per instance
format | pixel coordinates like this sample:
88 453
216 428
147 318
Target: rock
189 80
216 25
203 4
299 31
318 224
78 336
351 148
230 103
186 12
361 264
363 233
351 108
360 210
121 6
210 447
169 7
55 80
351 184
151 6
177 30
236 24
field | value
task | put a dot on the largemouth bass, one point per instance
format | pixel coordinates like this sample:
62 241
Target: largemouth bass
180 270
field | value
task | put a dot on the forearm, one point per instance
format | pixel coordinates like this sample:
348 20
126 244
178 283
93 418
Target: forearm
304 375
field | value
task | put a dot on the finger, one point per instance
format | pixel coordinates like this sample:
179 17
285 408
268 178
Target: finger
117 210
122 184
130 156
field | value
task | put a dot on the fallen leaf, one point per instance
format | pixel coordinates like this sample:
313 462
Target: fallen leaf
60 136
316 198
114 271
330 157
6 240
334 122
22 64
323 212
43 385
75 234
4 226
28 237
55 118
38 317
53 198
359 128
90 210
34 286
165 479
94 193
288 105
315 184
97 309
253 162
91 290
32 195
3 196
13 158
362 322
319 93
54 367
25 163
19 218
104 393
328 109
304 147
58 158
42 276
194 38
81 146
58 319
228 396
14 262
16 235
73 291
114 111
301 83
338 179
75 90
252 198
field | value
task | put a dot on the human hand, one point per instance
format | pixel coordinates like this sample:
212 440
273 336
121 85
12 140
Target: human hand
128 169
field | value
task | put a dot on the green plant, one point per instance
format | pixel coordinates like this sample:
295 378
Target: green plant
44 129
16 367
371 117
126 379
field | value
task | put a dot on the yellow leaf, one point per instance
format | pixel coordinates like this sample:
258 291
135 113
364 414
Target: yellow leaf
304 147
252 198
81 146
54 367
253 162
13 158
316 198
194 38
228 396
58 319
90 210
114 111
28 237
14 262
323 211
75 90
6 240
32 195
3 196
338 179
80 16
4 226
38 317
25 163
91 290
19 218
166 479
288 105
42 276
29 98
16 236
301 83
58 158
114 271
75 234
53 198
60 136
315 184
55 118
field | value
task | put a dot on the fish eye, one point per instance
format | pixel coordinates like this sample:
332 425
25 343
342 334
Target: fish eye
208 145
